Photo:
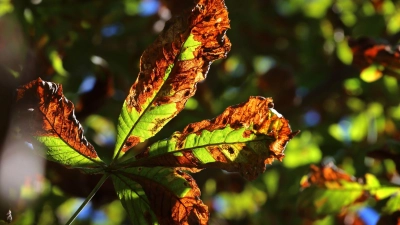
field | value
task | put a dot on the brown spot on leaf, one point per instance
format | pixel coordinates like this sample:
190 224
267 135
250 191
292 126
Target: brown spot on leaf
189 129
217 154
141 76
180 145
130 142
187 93
247 133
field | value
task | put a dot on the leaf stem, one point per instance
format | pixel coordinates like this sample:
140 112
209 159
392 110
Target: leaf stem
88 198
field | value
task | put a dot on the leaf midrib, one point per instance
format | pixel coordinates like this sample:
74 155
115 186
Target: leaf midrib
147 107
59 136
129 164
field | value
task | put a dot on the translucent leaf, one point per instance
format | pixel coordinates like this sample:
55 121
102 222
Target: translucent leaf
384 192
344 52
170 68
371 181
244 138
49 117
328 190
172 196
371 73
393 205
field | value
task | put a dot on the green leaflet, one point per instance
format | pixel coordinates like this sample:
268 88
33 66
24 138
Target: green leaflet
134 200
392 205
377 190
61 152
167 190
225 149
230 140
317 202
141 126
244 138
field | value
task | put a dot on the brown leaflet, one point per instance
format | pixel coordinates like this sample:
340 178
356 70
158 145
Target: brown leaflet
207 22
256 112
169 208
49 113
327 173
366 52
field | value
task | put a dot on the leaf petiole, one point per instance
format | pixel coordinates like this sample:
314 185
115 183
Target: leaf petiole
88 198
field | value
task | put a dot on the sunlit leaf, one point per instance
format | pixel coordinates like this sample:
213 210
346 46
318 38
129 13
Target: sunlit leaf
344 52
170 68
302 145
49 117
371 73
378 191
385 192
233 206
328 190
56 60
160 195
6 7
244 138
393 205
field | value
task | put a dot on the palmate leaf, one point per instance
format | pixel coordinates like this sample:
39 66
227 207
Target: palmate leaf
244 138
49 117
160 195
170 68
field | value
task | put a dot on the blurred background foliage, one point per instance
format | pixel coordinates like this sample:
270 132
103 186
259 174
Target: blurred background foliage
332 67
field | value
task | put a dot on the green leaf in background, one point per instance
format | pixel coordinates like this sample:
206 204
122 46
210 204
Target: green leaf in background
166 195
378 191
328 190
49 117
393 205
244 138
134 200
304 146
371 73
170 68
